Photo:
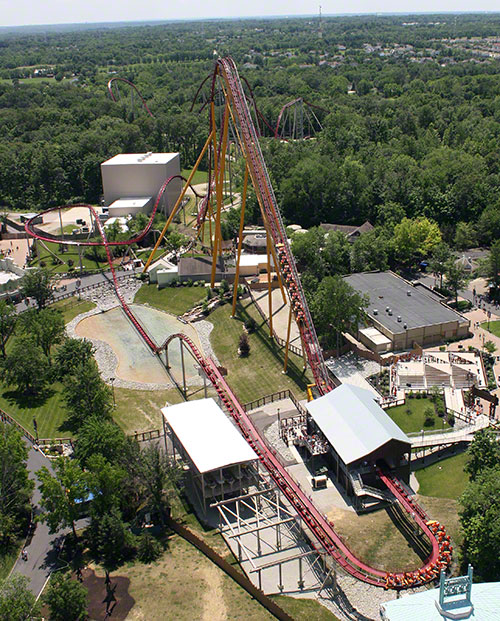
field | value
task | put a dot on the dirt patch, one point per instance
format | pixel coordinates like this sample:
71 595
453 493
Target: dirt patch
214 606
96 586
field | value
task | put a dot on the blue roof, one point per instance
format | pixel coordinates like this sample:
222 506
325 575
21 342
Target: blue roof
353 422
485 598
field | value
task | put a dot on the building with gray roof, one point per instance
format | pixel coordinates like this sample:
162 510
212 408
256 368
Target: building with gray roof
406 314
360 436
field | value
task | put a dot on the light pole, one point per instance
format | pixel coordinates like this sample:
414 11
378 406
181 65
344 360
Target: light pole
112 380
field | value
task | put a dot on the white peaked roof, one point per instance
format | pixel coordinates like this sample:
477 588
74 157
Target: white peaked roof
207 435
353 423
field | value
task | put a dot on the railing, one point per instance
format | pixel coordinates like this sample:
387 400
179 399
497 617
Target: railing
145 436
392 403
275 396
5 418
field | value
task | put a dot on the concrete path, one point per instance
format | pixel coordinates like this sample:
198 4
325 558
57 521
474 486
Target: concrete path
433 438
42 557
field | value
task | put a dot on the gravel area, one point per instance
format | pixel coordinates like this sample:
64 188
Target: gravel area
204 328
272 435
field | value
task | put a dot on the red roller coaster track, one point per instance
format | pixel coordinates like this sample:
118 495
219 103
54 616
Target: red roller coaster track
321 529
133 87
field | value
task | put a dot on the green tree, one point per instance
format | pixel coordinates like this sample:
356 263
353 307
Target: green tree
148 548
156 476
46 326
456 277
71 354
336 307
17 602
15 486
415 239
37 284
493 265
174 241
336 253
60 494
306 249
480 521
370 252
490 347
440 256
86 395
100 437
107 484
465 235
7 323
110 539
25 366
483 453
66 599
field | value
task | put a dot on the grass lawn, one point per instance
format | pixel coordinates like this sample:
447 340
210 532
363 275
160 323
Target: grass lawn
494 327
48 409
72 307
260 373
304 609
444 479
414 419
199 176
175 300
71 253
139 410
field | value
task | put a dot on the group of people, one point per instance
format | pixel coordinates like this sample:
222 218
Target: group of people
430 572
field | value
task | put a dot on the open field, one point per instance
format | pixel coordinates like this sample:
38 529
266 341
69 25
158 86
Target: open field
139 410
199 176
413 420
261 372
175 300
444 479
72 307
44 256
494 327
374 538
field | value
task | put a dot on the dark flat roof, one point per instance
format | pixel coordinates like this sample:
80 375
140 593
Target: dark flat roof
385 289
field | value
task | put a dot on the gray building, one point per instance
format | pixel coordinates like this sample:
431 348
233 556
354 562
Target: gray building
405 314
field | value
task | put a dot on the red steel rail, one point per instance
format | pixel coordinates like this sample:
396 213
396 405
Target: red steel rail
133 87
319 525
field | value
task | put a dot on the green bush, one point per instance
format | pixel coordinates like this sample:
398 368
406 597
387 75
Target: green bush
148 549
418 395
250 324
189 282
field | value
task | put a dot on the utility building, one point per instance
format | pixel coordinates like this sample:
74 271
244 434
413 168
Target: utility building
131 182
403 315
221 462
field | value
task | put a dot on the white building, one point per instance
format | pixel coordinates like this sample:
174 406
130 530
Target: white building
139 176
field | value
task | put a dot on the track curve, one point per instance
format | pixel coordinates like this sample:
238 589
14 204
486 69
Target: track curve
320 527
133 86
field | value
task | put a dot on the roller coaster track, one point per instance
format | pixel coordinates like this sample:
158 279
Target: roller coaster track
134 88
321 529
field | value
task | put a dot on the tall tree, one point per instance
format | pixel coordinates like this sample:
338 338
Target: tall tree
100 437
456 277
493 265
46 326
60 494
336 307
25 366
86 394
66 599
483 453
37 284
17 602
440 256
7 323
480 520
415 239
71 354
15 486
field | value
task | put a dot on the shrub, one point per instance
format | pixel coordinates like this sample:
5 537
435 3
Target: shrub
209 293
440 410
411 394
204 308
442 348
451 420
429 417
148 548
418 395
250 324
189 283
244 345
174 282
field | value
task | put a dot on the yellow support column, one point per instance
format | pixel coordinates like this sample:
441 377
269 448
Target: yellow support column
178 202
240 241
219 186
269 287
285 365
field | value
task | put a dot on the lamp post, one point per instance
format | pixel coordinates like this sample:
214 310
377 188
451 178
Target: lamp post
112 380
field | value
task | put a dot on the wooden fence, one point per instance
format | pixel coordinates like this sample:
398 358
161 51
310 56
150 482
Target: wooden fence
275 396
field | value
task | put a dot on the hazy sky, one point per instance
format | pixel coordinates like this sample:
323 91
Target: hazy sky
26 12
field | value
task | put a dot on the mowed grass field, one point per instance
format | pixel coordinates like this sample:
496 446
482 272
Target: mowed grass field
492 326
444 479
410 417
260 373
174 300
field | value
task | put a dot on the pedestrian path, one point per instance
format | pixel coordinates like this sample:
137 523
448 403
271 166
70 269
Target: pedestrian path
439 438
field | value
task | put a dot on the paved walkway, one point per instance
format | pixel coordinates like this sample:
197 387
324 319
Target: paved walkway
466 434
